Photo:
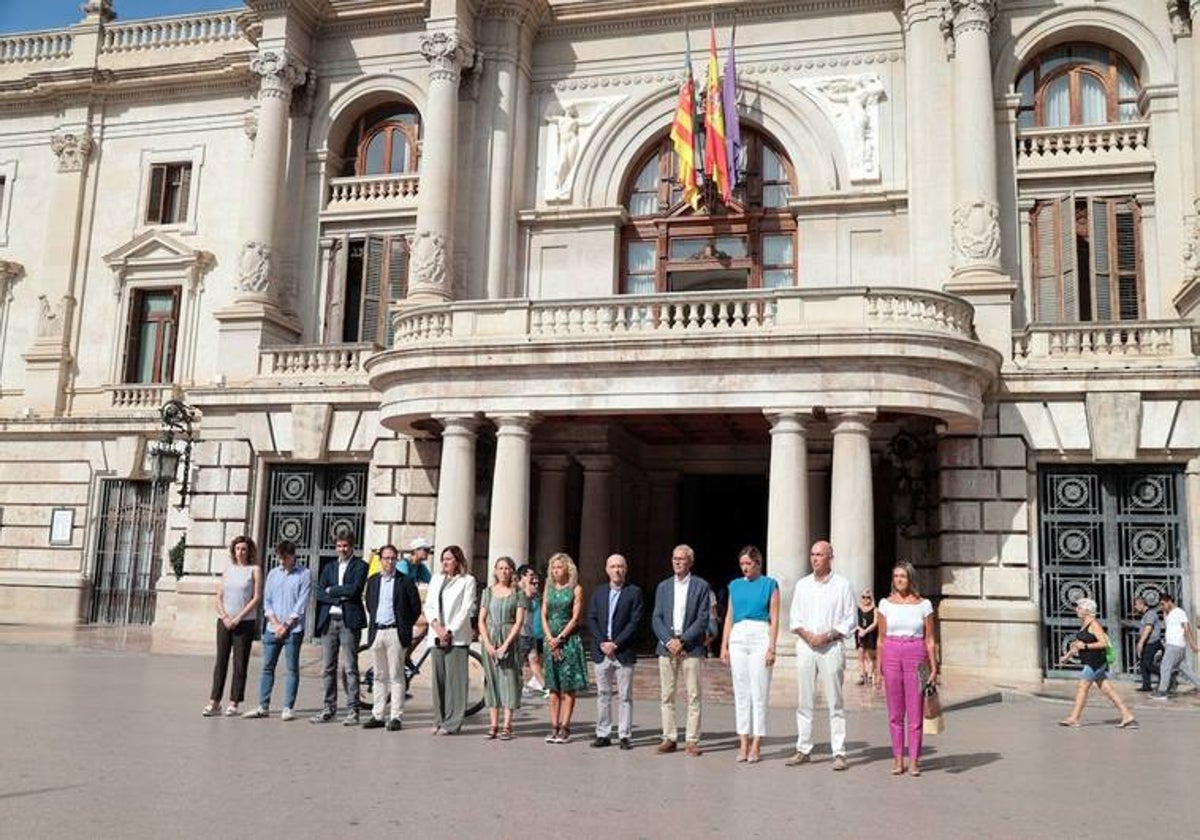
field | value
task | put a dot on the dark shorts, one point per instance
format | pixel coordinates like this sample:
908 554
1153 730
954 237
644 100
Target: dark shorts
527 644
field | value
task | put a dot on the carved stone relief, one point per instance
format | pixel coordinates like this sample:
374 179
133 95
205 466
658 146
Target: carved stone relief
72 150
1191 243
254 268
430 260
10 273
446 55
571 124
51 318
975 231
852 105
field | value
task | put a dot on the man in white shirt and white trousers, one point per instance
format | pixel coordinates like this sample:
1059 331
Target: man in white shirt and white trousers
822 615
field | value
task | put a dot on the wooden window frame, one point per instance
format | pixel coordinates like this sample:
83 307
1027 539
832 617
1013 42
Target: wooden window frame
1108 75
163 364
384 118
168 204
394 260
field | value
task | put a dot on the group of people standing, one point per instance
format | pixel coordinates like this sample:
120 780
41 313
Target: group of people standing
517 623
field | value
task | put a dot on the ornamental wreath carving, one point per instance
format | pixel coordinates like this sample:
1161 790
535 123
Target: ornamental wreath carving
72 150
254 268
976 231
429 259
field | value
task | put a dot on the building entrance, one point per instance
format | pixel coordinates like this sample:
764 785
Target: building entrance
718 516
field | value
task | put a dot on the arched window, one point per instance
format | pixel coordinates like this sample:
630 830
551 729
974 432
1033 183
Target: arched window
384 141
749 243
1077 84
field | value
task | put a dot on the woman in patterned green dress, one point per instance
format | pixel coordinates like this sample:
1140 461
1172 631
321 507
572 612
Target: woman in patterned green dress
501 617
565 661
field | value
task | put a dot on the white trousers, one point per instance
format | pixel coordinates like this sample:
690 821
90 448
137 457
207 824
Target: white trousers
388 656
748 643
829 665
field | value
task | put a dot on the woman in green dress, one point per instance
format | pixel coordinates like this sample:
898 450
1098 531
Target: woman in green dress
565 662
501 617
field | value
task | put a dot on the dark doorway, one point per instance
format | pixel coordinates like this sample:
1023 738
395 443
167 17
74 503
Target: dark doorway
718 516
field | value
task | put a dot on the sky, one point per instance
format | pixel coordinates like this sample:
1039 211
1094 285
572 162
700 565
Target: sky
25 15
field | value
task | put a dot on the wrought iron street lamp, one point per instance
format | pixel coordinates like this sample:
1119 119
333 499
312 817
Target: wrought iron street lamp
177 418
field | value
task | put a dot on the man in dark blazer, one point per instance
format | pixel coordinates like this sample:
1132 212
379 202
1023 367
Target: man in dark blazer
614 616
393 606
682 609
340 620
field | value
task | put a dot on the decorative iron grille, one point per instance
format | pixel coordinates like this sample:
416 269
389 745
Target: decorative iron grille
128 553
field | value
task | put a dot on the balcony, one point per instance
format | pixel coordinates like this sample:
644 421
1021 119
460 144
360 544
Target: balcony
366 196
878 348
135 398
1070 147
1093 346
315 364
45 46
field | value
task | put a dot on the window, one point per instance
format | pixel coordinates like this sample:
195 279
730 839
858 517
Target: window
150 336
384 141
1087 260
376 277
170 187
1077 84
748 243
8 183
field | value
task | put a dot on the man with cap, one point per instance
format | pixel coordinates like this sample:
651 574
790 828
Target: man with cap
416 565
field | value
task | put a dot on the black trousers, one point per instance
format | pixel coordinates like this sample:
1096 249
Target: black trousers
1146 663
238 640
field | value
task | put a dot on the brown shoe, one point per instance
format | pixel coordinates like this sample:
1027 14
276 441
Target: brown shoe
839 762
797 759
693 749
667 746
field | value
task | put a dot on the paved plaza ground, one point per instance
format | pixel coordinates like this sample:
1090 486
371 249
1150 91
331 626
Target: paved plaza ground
110 744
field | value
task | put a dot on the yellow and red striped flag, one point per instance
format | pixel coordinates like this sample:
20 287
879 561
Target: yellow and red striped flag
683 135
716 160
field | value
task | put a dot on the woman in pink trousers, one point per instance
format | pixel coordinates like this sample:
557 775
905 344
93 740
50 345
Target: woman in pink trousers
906 641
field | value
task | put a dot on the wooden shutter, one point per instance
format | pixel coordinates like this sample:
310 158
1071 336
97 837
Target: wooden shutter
158 188
170 338
1056 272
133 329
185 189
1128 257
373 251
1100 232
397 281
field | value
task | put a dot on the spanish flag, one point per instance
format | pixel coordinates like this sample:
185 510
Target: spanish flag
716 160
683 131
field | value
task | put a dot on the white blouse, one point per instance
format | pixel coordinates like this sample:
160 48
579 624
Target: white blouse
905 621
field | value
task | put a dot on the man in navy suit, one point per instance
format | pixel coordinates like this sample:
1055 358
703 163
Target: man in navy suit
393 607
682 609
340 620
613 617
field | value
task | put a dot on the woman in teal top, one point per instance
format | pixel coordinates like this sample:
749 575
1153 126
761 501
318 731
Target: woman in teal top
748 647
565 662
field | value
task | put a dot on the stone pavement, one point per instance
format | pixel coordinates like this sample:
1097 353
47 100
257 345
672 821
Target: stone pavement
102 743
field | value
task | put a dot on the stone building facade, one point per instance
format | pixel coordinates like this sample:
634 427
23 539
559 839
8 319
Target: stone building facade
422 268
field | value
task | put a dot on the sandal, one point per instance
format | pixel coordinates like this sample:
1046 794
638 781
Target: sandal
1068 722
741 757
914 770
898 769
210 710
1131 723
506 733
492 733
552 738
753 758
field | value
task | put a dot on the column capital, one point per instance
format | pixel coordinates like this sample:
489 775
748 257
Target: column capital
973 16
552 463
856 421
446 54
595 463
458 424
788 421
513 424
73 149
280 72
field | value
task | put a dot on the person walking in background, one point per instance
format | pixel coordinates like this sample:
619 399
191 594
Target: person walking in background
748 647
906 642
238 595
614 617
448 606
681 619
531 639
1090 645
1149 641
566 664
866 635
501 617
416 566
285 604
393 606
340 621
1176 634
822 615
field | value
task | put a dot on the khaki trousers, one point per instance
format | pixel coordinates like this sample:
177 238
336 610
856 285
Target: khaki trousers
388 655
669 669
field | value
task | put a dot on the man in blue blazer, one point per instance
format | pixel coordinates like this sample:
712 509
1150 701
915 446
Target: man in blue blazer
340 620
682 611
613 617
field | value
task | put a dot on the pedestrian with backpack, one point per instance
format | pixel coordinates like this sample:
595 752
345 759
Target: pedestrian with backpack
1096 654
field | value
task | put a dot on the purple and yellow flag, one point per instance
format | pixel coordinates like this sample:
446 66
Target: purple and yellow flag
733 127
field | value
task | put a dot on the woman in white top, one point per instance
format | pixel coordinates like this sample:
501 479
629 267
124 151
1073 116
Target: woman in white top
238 595
448 605
906 642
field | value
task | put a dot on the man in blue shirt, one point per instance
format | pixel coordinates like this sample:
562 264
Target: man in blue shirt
284 604
416 565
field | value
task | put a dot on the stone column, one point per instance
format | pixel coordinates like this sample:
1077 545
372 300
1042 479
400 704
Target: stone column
851 499
1183 24
595 537
508 533
787 505
550 535
664 527
454 522
431 278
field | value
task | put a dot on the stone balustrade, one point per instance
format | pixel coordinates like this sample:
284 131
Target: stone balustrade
141 397
366 192
315 360
35 46
166 32
1125 343
1077 141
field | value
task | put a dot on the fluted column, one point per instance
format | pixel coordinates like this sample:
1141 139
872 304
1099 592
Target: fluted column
787 500
551 532
851 499
1187 300
595 537
455 517
431 277
508 531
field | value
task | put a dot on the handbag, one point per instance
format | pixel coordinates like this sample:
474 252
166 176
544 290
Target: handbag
932 723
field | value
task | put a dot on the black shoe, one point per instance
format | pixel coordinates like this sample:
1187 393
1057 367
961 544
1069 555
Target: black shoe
373 723
625 744
1144 688
395 725
602 742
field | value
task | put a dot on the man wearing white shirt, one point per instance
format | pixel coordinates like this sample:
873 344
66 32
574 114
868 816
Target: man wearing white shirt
1177 638
822 615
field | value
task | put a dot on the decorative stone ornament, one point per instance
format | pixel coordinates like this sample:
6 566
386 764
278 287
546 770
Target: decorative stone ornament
1191 243
429 260
446 56
852 105
102 9
976 231
279 71
51 318
72 150
10 272
254 268
570 129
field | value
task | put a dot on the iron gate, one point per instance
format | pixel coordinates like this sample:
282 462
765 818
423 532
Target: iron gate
1112 535
310 505
128 553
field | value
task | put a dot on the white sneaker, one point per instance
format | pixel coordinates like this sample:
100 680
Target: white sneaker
258 712
288 714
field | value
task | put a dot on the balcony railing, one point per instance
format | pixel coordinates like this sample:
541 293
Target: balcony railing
141 397
1072 142
35 46
1106 345
315 361
371 192
682 315
166 32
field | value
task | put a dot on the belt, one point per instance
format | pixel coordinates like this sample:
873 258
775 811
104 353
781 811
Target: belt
385 626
